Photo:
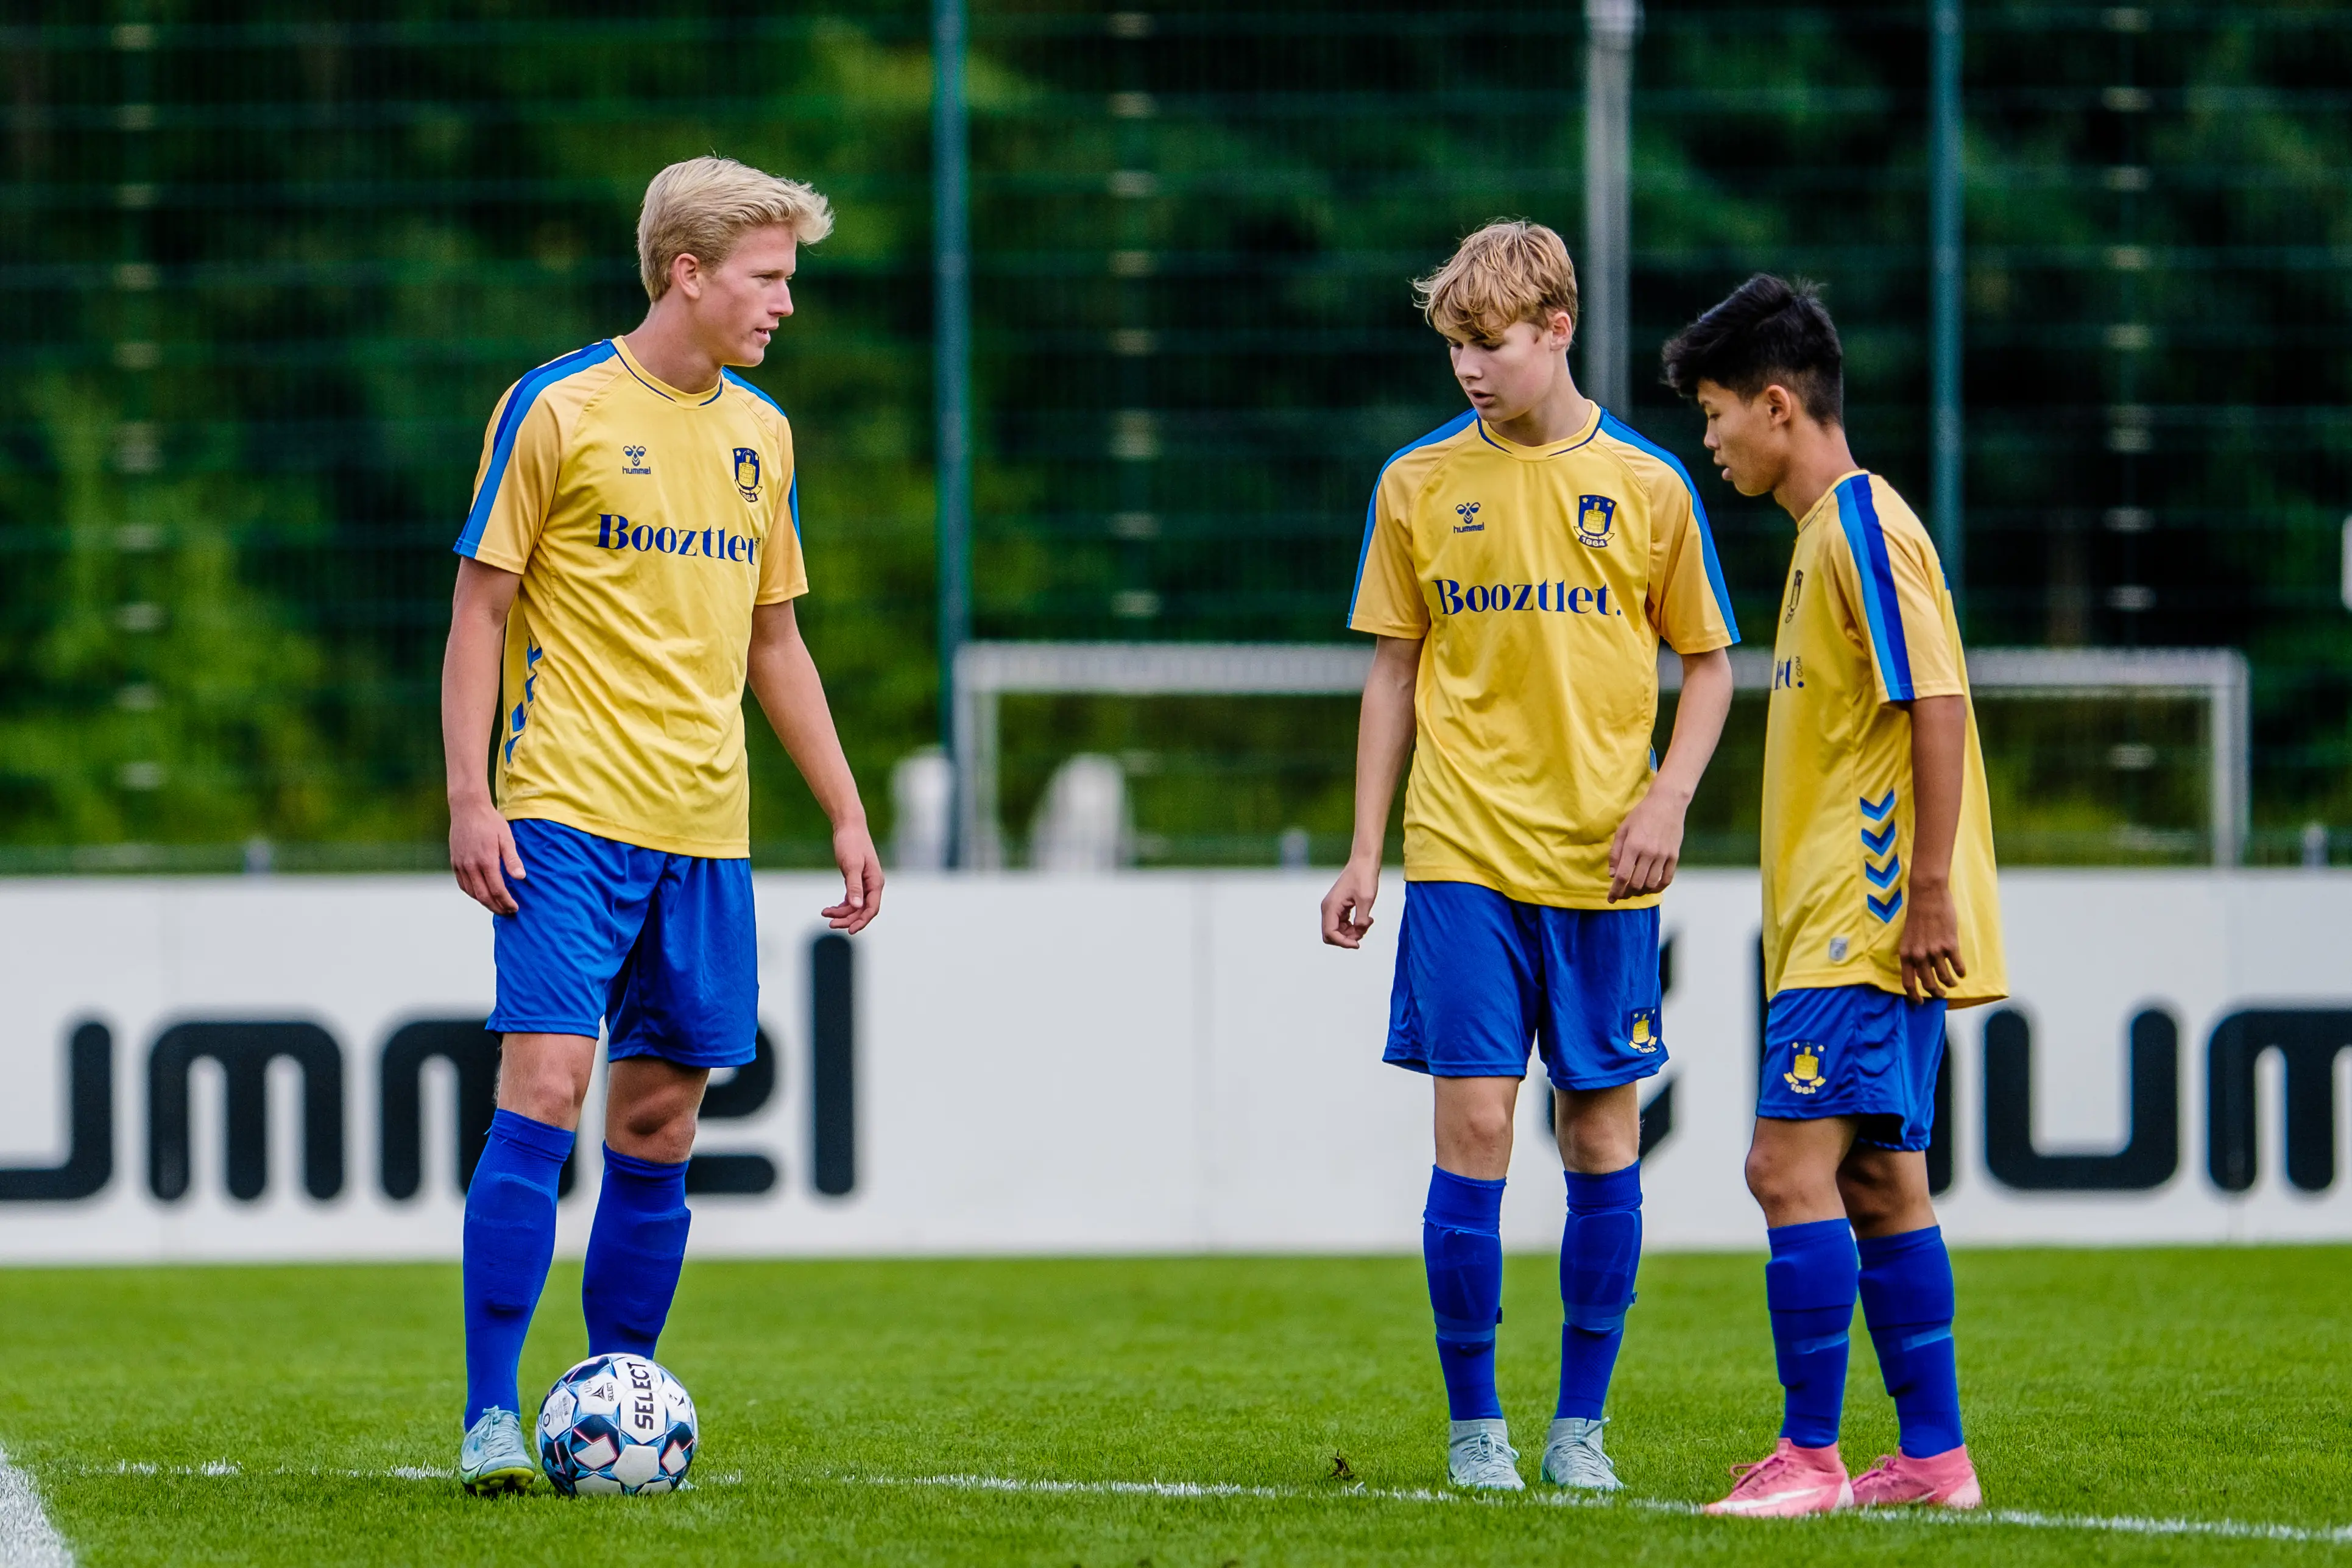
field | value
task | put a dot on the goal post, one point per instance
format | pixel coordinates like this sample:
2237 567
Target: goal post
985 672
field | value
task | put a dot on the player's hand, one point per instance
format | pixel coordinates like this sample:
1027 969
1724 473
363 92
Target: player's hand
861 878
1648 847
481 846
1930 948
1347 907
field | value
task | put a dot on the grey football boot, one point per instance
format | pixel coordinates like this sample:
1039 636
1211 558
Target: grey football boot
494 1457
1479 1455
1573 1458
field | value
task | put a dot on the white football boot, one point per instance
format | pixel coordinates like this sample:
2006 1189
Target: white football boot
494 1457
1573 1456
1479 1455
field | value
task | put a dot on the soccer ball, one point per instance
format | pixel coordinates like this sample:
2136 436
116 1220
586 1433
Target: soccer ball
616 1423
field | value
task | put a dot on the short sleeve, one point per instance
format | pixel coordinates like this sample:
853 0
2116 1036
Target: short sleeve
1388 601
1898 593
783 571
1687 603
523 451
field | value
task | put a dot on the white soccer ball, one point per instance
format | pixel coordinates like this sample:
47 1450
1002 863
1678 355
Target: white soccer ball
616 1423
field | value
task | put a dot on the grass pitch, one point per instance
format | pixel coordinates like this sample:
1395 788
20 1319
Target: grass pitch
308 1415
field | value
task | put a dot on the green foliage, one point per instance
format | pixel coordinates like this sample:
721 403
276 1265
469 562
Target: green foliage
272 275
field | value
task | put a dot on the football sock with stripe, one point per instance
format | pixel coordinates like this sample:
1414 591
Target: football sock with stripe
1810 1284
1599 1252
1462 1246
509 1241
634 1250
1906 1300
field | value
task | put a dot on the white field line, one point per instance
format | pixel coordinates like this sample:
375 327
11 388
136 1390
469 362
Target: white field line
27 1539
2224 1529
15 1491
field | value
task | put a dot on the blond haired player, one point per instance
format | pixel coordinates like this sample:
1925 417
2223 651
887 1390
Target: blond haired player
1880 910
629 562
1520 565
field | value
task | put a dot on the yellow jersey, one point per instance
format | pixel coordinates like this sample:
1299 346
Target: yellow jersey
1866 622
646 523
1539 580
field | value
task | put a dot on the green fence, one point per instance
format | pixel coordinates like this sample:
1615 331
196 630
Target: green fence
270 275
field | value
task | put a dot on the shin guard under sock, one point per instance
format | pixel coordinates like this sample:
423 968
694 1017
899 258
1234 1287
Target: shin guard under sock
1906 1300
509 1240
1462 1246
1599 1252
634 1250
1810 1285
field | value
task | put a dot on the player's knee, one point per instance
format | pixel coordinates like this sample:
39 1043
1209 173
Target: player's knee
657 1127
1776 1181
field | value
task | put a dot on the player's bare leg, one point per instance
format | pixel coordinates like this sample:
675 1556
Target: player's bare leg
1600 1135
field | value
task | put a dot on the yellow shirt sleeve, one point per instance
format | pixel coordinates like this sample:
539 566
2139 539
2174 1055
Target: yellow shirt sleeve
1687 603
1388 601
515 486
1893 586
783 571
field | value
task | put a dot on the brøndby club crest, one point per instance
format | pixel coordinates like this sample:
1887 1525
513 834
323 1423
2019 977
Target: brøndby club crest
1643 1031
747 472
1805 1074
1595 516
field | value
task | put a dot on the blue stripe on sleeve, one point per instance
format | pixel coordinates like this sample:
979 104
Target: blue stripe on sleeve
792 501
755 391
1867 537
1634 439
526 393
1453 427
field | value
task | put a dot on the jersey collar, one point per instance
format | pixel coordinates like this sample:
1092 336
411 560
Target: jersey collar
655 384
1829 499
1589 428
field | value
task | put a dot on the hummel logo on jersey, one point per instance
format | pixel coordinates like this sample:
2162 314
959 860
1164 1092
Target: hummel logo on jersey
1595 515
633 460
1468 512
614 532
1796 586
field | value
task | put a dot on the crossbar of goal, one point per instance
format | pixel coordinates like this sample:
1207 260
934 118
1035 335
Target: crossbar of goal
986 671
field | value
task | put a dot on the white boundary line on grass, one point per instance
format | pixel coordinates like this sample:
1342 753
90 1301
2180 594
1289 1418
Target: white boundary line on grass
26 1531
2226 1529
27 1539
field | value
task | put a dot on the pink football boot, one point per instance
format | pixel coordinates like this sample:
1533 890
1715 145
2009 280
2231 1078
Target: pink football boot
1941 1481
1788 1481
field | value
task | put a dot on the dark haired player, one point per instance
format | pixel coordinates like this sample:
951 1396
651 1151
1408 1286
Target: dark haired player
1879 909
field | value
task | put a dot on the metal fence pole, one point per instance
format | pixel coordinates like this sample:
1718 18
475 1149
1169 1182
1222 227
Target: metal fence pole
951 374
1610 28
1951 538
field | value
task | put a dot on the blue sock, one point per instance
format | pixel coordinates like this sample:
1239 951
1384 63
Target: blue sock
1462 1244
1597 1253
1906 1300
633 1252
509 1240
1810 1284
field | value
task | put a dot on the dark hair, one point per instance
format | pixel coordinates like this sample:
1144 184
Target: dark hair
1768 330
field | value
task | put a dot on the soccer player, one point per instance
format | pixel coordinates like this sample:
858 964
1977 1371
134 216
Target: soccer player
631 557
1520 565
1879 909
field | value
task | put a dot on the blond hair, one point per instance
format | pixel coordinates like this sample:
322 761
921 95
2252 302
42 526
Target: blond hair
702 206
1511 270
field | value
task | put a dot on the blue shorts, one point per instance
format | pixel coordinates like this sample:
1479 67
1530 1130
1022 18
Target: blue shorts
1854 1050
660 944
1478 973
